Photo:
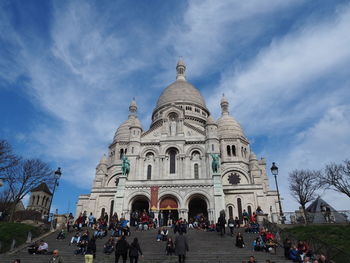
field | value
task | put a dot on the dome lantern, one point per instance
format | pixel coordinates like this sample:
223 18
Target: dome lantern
180 69
224 105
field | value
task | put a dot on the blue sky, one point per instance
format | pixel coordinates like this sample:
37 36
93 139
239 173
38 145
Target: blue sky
69 69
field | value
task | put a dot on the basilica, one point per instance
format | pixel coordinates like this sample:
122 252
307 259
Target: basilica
170 163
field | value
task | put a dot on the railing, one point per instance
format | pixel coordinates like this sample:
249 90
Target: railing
338 217
316 245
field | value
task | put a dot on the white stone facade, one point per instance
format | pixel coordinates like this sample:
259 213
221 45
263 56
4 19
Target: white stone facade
174 154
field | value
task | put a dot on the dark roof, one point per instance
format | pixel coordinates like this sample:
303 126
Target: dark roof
42 188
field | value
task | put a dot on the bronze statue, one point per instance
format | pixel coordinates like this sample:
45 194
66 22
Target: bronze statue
215 163
125 165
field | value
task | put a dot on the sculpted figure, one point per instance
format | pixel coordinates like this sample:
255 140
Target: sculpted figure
215 163
125 165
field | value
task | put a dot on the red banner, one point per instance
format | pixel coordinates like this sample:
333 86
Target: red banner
154 197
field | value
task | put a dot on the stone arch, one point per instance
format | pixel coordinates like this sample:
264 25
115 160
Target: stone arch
111 180
165 150
134 196
149 149
171 193
195 148
198 192
240 171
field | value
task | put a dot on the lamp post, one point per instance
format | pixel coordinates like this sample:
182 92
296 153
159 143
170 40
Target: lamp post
274 171
57 177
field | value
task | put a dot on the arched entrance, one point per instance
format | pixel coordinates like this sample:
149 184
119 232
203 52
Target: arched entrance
139 204
169 211
197 207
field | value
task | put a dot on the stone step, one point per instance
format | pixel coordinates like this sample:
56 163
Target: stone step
204 247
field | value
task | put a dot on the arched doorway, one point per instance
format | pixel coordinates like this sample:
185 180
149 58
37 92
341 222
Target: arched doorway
197 208
139 204
169 211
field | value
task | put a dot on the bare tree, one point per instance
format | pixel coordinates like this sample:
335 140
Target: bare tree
7 158
26 175
303 185
337 177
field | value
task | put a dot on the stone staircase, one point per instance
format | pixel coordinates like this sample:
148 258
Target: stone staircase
204 247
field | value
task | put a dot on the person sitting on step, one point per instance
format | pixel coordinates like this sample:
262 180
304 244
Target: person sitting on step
43 247
239 240
108 248
61 235
75 239
258 244
164 233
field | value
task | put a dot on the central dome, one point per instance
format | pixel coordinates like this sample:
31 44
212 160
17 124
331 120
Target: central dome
181 91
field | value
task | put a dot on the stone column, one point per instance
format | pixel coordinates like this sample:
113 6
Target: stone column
119 197
219 202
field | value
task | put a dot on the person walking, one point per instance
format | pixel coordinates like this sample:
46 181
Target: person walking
56 258
90 253
222 223
121 249
181 246
231 224
134 251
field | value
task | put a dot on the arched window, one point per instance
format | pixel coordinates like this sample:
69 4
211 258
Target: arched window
228 150
212 147
196 172
111 208
47 200
149 172
249 210
37 200
103 212
33 200
121 153
230 211
42 201
172 155
239 206
125 150
233 150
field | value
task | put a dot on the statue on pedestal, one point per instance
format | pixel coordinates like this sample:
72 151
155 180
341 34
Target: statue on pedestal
125 165
215 163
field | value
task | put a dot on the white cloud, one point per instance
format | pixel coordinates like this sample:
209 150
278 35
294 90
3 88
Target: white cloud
209 33
283 85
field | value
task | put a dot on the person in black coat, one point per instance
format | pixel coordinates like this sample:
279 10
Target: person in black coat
181 246
90 253
221 224
121 249
134 251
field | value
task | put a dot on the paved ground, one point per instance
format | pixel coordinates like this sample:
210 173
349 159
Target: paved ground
204 247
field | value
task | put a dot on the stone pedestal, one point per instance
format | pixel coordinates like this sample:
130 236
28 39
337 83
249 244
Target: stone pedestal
260 218
119 196
219 200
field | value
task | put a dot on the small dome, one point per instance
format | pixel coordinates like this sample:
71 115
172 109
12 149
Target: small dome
181 91
135 122
252 156
228 127
122 133
210 120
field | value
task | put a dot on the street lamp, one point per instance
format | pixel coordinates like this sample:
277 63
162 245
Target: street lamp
57 177
274 171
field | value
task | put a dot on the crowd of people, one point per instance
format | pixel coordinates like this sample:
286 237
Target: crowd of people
86 229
